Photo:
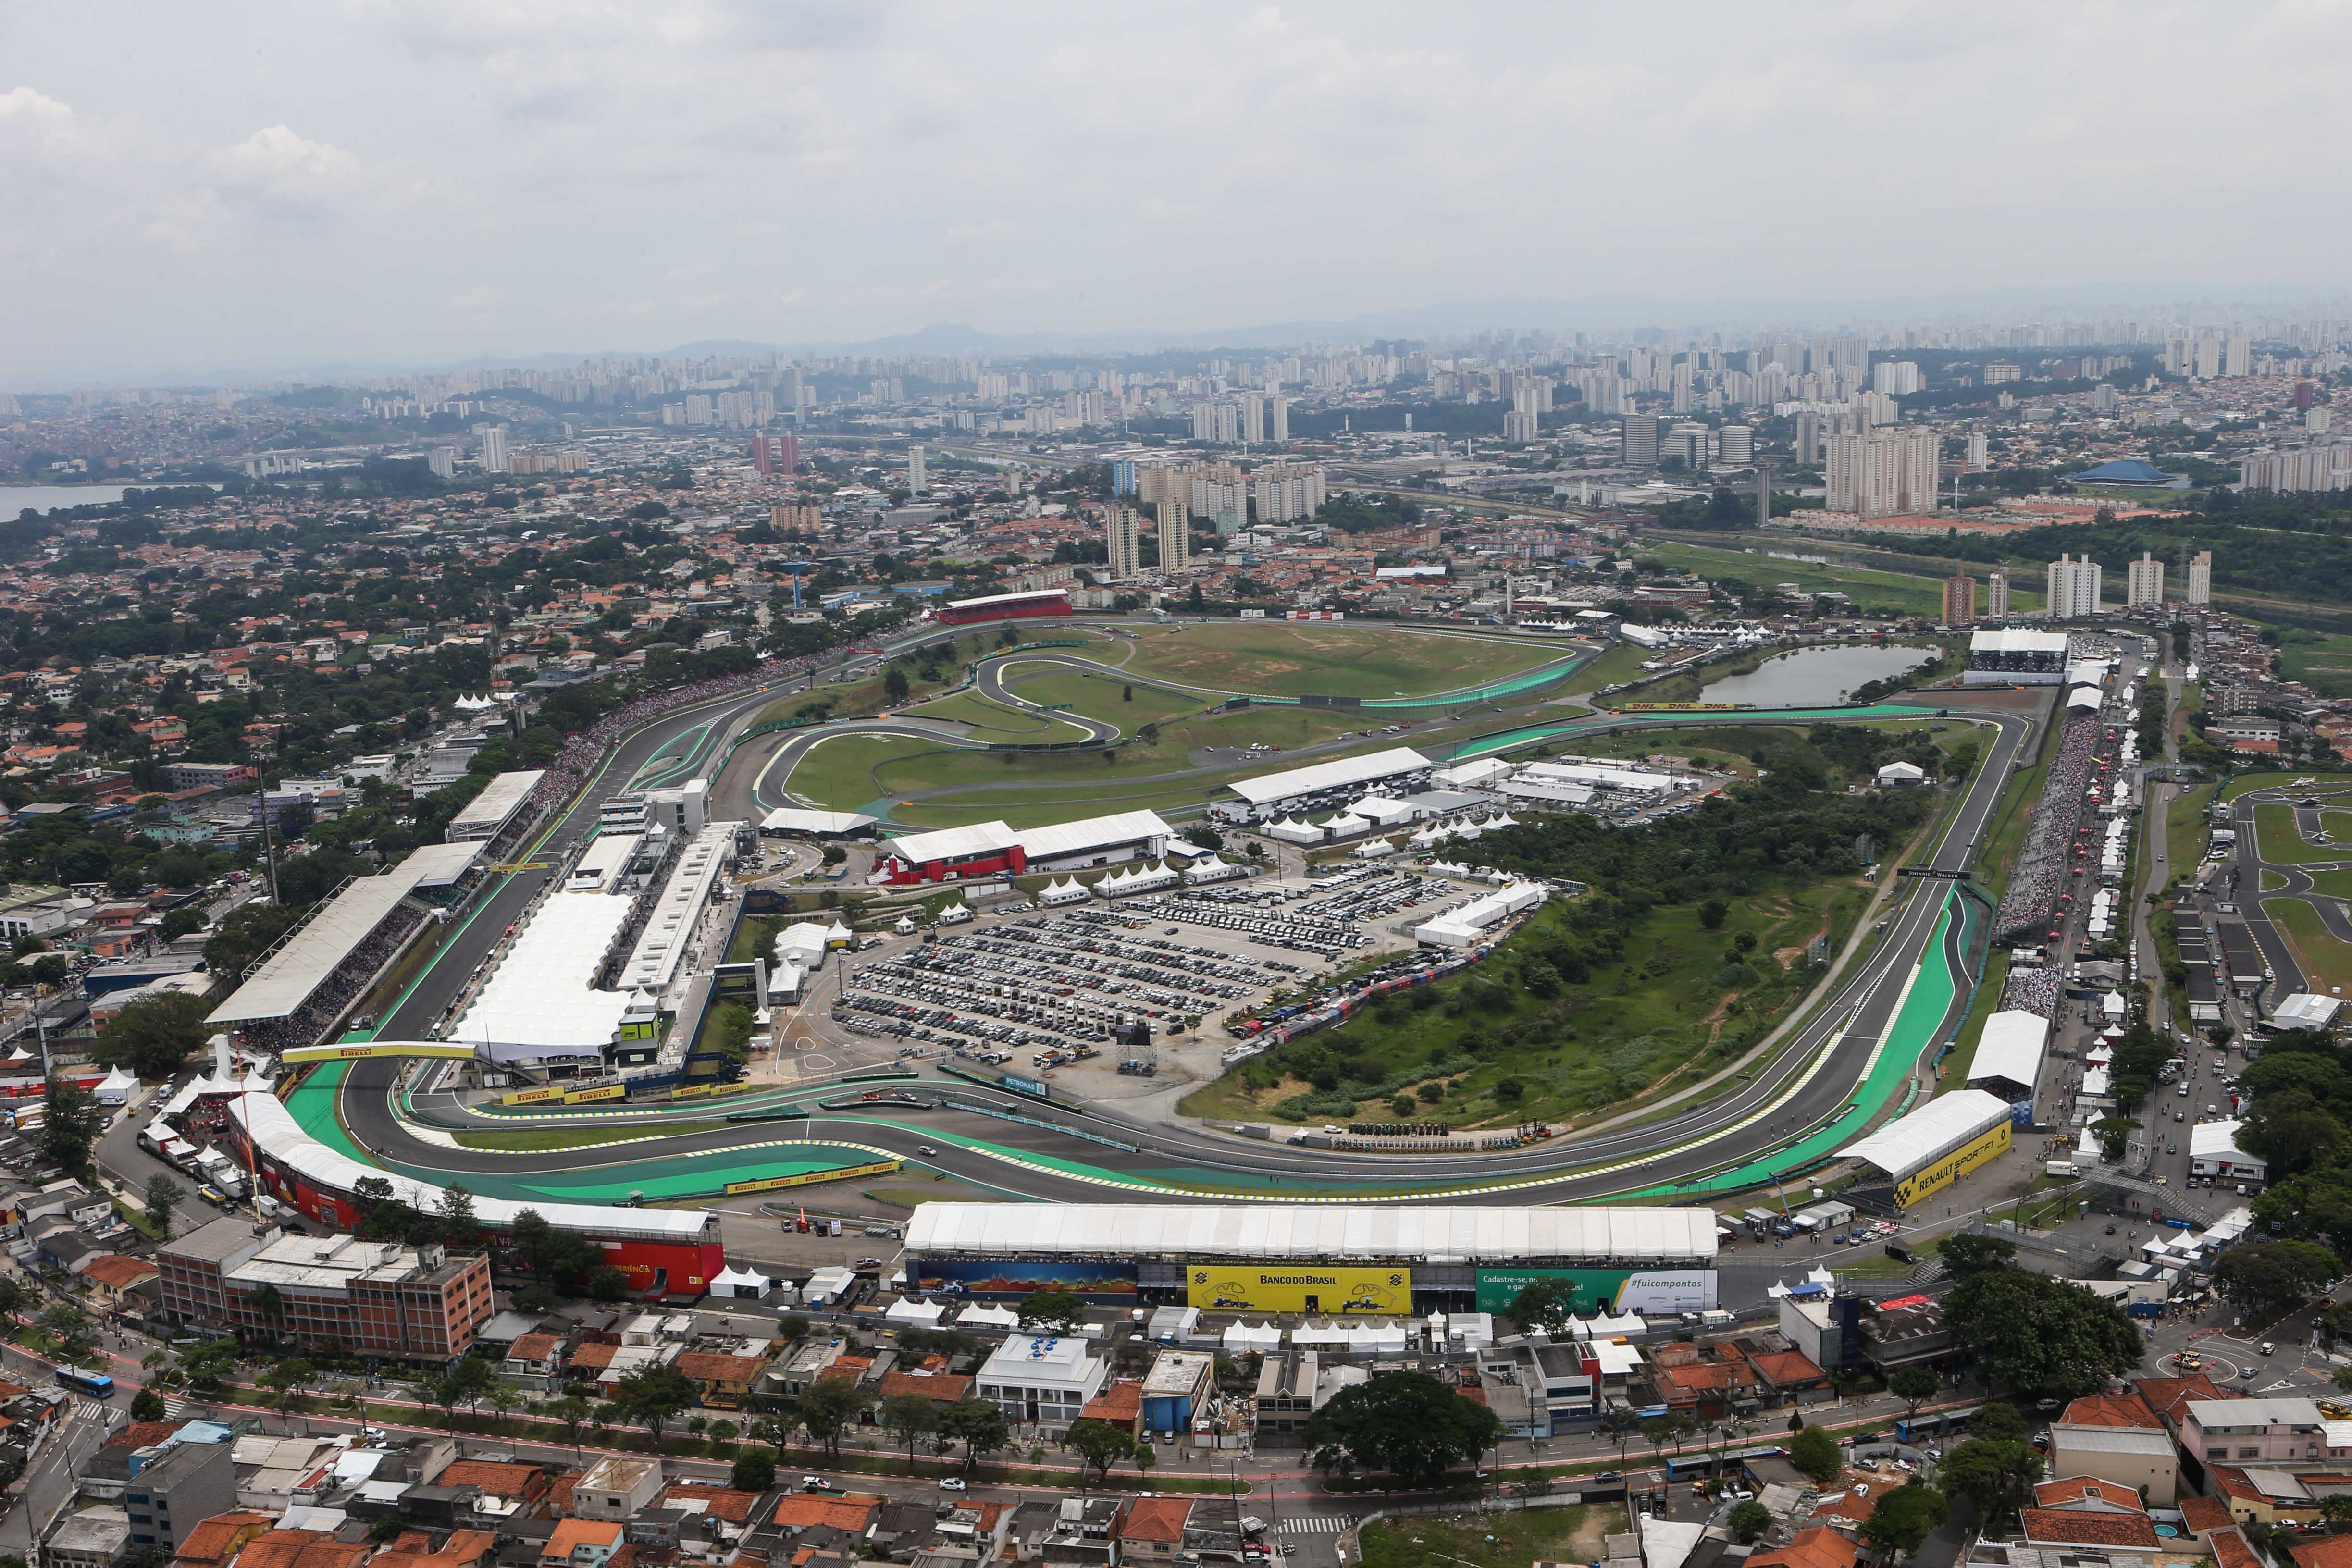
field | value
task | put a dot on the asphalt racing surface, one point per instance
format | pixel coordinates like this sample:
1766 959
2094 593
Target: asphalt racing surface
1816 1093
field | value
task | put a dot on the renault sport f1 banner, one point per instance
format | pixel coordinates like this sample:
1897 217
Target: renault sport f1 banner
1313 1291
1606 1289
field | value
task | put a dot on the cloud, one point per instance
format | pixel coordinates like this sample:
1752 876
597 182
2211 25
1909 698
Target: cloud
285 175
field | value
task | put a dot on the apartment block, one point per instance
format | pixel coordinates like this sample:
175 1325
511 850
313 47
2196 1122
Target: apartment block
371 1298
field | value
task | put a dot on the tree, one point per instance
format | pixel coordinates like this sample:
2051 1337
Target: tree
153 1036
1901 1520
147 1405
1748 1520
907 1416
1915 1386
207 1363
70 1127
977 1425
268 1306
163 1196
2267 1277
466 1385
1407 1424
1100 1444
826 1407
2335 1508
1547 1304
1815 1452
1966 1254
1712 914
754 1472
653 1395
458 1226
1991 1472
2039 1334
1057 1310
570 1413
895 684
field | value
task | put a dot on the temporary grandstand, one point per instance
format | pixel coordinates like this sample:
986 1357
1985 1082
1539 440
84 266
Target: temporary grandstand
492 811
2009 1054
324 946
1313 1233
2018 657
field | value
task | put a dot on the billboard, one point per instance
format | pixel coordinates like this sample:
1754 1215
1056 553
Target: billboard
376 1048
1989 1144
986 1277
1607 1290
1254 1288
806 1178
1678 708
556 1094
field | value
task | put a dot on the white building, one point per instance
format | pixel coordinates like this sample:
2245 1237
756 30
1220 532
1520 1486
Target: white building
2073 589
1122 543
1042 1381
1884 473
494 449
2200 578
1175 536
2143 581
2213 1151
918 482
1997 595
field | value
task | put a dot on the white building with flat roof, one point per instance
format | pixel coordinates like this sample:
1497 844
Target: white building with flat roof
1043 1380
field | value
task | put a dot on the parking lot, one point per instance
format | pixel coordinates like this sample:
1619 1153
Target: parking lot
1035 990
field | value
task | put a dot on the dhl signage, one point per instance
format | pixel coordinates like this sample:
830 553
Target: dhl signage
808 1178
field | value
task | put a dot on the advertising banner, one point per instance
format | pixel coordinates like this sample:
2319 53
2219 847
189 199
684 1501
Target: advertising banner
806 1178
1987 1146
1319 1292
984 1276
556 1094
376 1048
1607 1290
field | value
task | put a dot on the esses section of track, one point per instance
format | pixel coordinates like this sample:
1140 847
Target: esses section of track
1848 1061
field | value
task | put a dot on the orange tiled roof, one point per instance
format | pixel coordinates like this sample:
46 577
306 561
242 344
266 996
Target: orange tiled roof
1155 1519
719 1503
497 1477
571 1534
2327 1552
2069 1527
214 1540
803 1509
2110 1410
2086 1489
1820 1547
2203 1514
113 1269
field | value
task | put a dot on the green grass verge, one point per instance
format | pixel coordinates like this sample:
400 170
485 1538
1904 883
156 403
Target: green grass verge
1359 660
1493 1540
2273 881
2184 830
1902 592
536 1140
1633 1028
2320 659
2326 963
2282 844
1106 697
2333 883
992 721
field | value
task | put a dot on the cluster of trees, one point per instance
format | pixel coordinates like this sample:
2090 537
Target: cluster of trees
1407 1425
2031 1334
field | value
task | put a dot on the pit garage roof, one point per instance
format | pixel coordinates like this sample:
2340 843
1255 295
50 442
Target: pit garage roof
1337 775
1299 1232
1911 1143
1090 833
285 979
2306 1009
439 865
2011 1049
276 1133
540 995
973 839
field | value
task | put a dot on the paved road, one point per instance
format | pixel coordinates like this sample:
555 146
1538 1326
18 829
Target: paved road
1784 1098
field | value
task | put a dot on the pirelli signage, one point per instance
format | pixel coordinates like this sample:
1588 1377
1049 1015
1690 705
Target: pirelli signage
810 1178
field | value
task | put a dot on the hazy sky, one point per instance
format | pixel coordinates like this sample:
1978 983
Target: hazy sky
279 184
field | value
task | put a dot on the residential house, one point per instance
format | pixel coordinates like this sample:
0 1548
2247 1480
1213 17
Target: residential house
615 1488
1151 1529
583 1543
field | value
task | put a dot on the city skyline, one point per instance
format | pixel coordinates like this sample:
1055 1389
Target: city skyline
433 184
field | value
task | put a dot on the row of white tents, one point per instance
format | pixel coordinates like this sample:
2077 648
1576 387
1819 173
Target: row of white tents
1141 878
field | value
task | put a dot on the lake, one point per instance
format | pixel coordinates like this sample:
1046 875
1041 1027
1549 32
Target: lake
1807 677
15 498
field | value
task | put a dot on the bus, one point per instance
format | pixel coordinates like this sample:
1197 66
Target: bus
97 1385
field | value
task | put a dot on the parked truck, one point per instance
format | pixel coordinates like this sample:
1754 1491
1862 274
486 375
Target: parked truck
1823 1217
215 1166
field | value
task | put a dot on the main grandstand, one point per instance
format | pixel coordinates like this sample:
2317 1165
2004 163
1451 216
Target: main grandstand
1302 1257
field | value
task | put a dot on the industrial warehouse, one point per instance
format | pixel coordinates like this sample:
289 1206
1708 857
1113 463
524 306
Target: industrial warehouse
1315 1259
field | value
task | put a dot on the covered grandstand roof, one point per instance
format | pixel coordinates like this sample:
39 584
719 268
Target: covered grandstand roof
275 1131
1910 1144
1300 1231
2017 641
439 865
798 819
486 813
2011 1049
540 994
285 979
1335 774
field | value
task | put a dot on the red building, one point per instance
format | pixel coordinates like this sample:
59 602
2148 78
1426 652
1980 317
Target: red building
1040 602
953 854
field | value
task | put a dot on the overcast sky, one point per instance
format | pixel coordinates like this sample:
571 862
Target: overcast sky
347 180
